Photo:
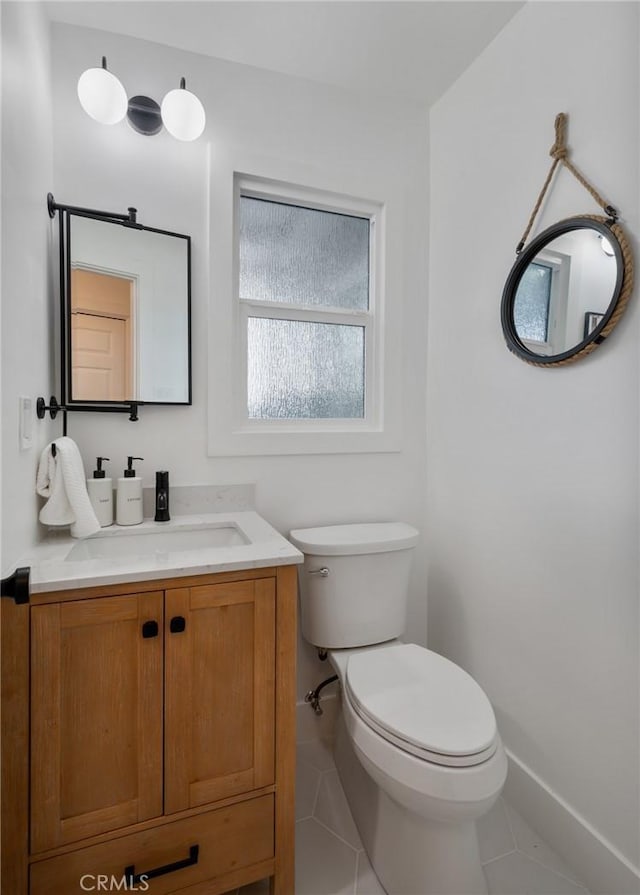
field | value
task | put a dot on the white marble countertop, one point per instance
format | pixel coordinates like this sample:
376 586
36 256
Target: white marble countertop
52 571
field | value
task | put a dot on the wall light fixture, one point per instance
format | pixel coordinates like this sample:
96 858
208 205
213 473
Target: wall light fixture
104 99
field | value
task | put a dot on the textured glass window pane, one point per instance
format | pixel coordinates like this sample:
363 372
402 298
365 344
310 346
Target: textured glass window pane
303 256
531 305
301 370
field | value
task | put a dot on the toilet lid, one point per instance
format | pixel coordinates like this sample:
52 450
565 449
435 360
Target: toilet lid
423 703
351 540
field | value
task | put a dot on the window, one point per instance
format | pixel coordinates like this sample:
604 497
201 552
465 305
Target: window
304 277
540 305
531 306
304 346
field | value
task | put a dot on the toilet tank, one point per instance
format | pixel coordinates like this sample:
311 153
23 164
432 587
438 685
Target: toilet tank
354 582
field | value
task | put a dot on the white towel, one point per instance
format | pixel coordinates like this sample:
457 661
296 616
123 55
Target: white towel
62 480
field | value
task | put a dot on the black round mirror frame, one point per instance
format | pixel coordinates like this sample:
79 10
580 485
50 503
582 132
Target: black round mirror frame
622 291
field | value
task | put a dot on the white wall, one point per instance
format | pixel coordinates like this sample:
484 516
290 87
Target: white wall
27 296
283 119
591 282
533 474
532 492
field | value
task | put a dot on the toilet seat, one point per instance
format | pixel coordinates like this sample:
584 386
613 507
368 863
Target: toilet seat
422 703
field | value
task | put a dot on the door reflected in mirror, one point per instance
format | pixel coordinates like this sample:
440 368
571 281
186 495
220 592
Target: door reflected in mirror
128 313
102 343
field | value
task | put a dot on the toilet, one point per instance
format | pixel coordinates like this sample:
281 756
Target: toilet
417 747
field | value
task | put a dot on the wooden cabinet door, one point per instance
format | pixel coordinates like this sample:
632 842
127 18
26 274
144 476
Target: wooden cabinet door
96 716
219 691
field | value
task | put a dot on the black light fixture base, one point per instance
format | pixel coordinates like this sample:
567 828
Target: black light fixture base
143 114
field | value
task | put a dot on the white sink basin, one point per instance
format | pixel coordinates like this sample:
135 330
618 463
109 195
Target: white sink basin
195 544
150 542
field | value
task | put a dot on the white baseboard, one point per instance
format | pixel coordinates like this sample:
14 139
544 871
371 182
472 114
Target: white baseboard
602 868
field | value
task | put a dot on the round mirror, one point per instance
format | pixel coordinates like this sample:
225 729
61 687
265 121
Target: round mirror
567 290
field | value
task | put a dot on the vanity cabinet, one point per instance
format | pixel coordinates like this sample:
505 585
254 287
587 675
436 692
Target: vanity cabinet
159 724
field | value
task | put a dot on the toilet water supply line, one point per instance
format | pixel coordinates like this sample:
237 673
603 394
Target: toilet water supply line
313 696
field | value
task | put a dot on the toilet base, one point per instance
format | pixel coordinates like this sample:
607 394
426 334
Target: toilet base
410 854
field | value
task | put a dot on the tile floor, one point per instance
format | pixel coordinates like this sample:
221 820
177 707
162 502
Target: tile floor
330 859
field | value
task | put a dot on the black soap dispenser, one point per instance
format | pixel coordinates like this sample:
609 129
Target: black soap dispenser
100 492
162 496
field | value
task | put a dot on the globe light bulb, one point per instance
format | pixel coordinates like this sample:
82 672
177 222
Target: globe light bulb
183 114
101 95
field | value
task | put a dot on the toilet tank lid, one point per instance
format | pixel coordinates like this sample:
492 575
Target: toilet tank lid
364 537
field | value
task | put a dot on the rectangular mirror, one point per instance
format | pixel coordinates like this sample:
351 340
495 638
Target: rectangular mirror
127 313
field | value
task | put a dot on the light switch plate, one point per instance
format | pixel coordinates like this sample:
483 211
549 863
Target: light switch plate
26 413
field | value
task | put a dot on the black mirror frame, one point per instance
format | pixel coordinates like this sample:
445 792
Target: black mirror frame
622 291
65 304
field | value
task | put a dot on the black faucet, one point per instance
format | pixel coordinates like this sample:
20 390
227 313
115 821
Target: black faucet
162 496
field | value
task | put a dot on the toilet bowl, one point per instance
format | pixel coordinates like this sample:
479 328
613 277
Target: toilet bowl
417 747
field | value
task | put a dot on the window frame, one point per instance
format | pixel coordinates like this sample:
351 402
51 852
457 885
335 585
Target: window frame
230 431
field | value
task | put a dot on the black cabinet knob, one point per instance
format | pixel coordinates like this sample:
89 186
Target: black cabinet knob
150 629
177 624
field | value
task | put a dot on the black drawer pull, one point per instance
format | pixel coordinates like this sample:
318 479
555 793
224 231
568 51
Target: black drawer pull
177 624
150 629
132 877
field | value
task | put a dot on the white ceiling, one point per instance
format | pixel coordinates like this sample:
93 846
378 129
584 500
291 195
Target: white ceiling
412 50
